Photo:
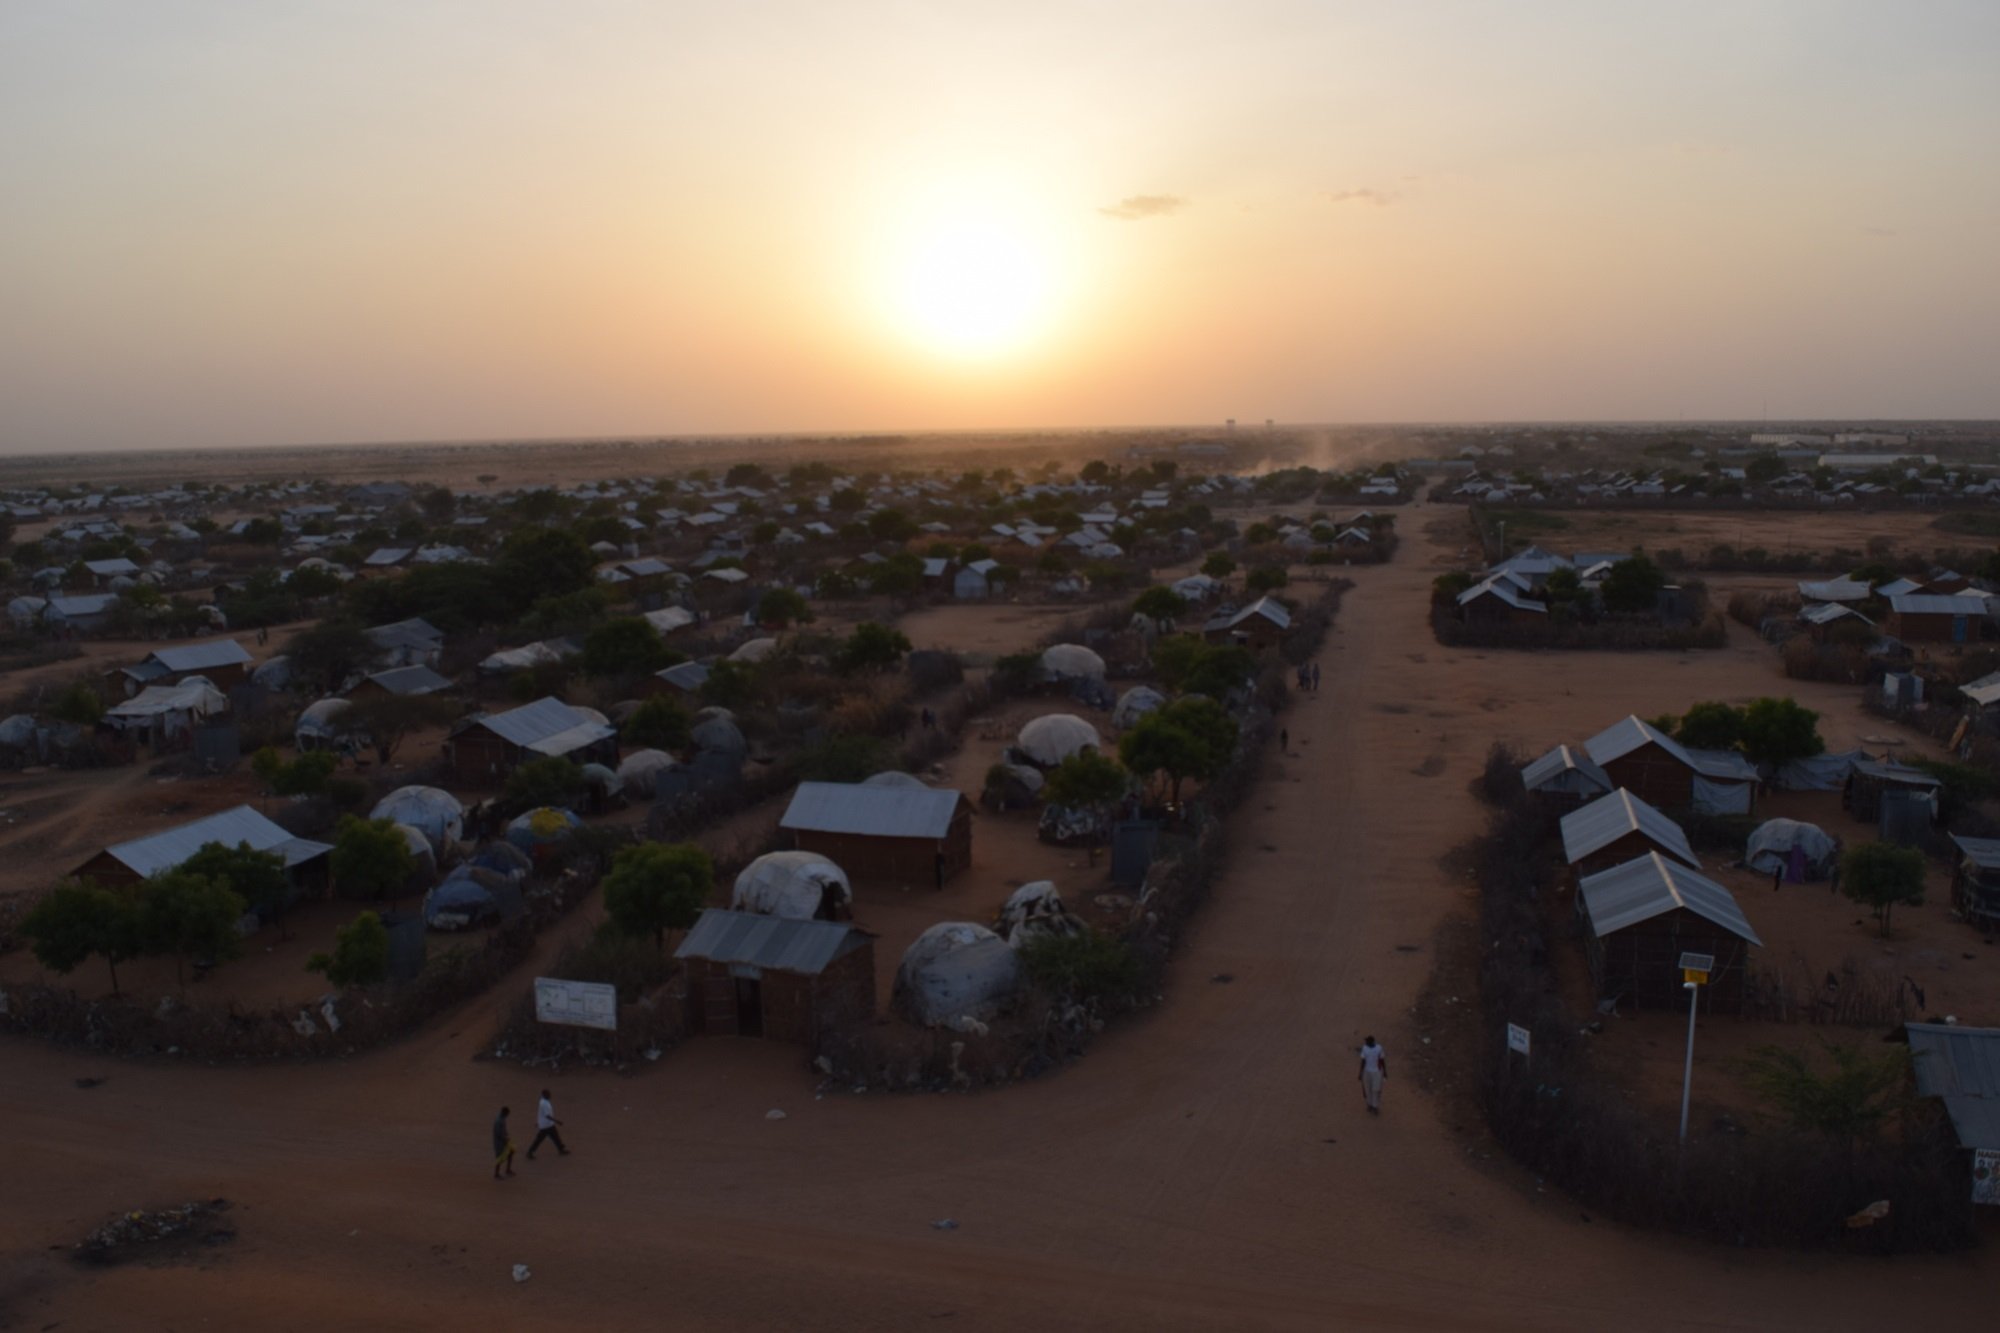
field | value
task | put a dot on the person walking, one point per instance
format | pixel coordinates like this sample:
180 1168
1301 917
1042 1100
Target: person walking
503 1145
547 1127
1284 740
1374 1070
1315 678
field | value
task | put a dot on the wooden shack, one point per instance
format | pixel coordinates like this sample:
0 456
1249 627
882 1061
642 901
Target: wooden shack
767 976
1640 917
1260 625
1652 765
1936 618
897 837
484 749
141 858
1975 882
1617 828
1871 778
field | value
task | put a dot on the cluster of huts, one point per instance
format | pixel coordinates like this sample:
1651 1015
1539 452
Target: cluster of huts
1943 607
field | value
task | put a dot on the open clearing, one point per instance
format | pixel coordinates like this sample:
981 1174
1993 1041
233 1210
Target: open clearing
1207 1166
1909 532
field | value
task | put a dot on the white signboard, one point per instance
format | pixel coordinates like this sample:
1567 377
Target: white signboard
1517 1038
1986 1175
584 1004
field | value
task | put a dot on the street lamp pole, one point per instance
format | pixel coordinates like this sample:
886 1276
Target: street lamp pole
1695 968
1687 1071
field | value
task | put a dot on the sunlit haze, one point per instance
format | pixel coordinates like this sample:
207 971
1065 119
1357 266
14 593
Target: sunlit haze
247 224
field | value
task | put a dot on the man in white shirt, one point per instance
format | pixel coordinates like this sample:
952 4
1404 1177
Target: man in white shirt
545 1127
1374 1069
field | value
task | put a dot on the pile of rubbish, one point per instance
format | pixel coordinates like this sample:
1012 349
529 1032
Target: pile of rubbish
119 1239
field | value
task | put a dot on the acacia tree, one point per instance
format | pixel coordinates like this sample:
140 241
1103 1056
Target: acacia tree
371 858
1161 605
655 887
1632 585
781 607
1189 738
360 955
256 877
628 645
1218 565
1778 731
871 647
1848 1104
190 916
659 723
1879 875
387 720
80 918
1085 780
1710 726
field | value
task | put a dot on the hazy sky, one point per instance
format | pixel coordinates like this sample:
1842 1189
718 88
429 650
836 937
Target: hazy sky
268 223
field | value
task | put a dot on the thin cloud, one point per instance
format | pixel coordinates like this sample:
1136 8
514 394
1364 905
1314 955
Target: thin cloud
1138 207
1366 198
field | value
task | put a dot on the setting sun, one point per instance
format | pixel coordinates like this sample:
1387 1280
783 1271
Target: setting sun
967 279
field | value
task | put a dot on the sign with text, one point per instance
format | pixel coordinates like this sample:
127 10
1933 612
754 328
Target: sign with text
583 1004
1517 1038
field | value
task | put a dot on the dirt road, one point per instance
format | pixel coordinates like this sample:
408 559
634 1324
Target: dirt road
1209 1166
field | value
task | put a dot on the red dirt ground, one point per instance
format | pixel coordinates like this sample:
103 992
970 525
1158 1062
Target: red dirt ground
1208 1165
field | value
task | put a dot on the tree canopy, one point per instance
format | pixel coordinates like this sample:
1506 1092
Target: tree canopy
1880 875
190 916
81 918
371 858
659 723
360 955
871 647
1191 737
655 887
1632 585
627 646
1086 779
1778 731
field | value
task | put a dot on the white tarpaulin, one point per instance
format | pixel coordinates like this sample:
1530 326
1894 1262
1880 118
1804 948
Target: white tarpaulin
1072 661
1822 772
955 970
1050 740
1771 845
432 811
1721 798
1134 704
1036 909
794 885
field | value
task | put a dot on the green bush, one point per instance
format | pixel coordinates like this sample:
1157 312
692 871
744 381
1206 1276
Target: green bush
1091 965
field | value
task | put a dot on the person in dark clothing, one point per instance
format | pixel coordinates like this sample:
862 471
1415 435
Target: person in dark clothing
1778 877
503 1145
1315 678
1284 741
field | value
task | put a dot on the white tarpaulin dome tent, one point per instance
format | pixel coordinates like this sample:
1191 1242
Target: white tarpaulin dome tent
955 970
756 650
319 723
1771 847
640 770
432 811
1134 704
1071 661
1050 740
1036 909
274 674
1197 587
718 734
795 885
894 778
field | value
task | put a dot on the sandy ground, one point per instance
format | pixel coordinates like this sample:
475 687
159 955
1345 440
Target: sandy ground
1207 1166
1909 532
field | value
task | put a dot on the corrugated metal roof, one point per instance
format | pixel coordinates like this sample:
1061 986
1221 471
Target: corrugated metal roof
1825 613
164 850
1632 733
531 724
1609 818
413 633
1833 590
1883 770
779 944
1982 852
877 812
1559 761
1961 1065
201 656
686 675
1652 885
418 679
1937 604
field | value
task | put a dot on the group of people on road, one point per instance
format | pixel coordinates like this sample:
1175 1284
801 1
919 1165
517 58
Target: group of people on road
1308 677
547 1127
